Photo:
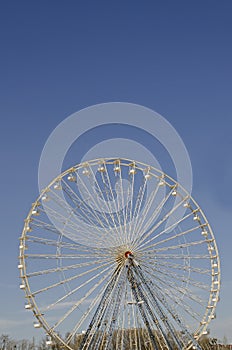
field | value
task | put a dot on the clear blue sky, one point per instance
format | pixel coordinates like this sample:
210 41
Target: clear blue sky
60 56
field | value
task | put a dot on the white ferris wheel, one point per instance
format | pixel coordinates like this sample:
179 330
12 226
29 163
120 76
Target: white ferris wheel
115 254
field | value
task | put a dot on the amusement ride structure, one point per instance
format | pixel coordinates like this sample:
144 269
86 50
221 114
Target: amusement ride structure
115 254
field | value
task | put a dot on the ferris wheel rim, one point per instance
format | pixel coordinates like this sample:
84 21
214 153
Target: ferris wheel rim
214 291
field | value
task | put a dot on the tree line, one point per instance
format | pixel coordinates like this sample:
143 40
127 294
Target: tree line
8 343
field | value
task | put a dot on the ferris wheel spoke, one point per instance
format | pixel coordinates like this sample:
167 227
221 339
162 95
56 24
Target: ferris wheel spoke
120 199
80 233
66 280
178 294
52 242
68 218
181 267
129 206
98 318
95 301
176 277
98 199
143 240
113 211
136 198
119 202
165 279
63 245
182 256
147 232
114 308
86 211
134 217
110 197
55 256
90 291
56 198
176 297
46 226
88 214
82 252
174 236
141 230
76 226
79 287
77 218
138 206
175 288
184 305
128 195
150 310
79 211
179 246
65 268
188 281
159 210
146 312
145 211
67 233
90 309
175 316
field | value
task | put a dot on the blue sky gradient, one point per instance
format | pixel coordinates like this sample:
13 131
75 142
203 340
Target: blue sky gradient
58 57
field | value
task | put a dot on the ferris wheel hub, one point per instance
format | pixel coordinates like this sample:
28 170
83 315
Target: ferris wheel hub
123 254
129 254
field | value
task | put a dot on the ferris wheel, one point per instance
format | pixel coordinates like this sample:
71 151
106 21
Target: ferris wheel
115 254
